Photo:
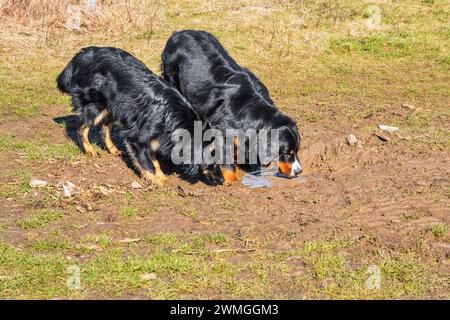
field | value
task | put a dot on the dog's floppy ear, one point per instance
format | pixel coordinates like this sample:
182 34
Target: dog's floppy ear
272 146
283 130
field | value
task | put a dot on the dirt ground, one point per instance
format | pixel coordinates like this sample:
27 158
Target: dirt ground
380 194
381 202
379 189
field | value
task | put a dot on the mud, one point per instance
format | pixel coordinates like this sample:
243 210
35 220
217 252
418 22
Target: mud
383 191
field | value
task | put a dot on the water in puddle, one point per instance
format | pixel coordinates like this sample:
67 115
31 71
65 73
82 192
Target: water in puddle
267 178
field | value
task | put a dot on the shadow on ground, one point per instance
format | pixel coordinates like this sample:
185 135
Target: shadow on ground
71 123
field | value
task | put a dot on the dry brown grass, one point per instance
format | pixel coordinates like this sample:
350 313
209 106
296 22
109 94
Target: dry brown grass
30 10
320 12
108 16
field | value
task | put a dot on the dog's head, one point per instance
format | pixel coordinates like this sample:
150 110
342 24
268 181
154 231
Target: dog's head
207 173
211 174
288 150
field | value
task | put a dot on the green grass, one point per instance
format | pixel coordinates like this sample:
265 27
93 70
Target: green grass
192 213
103 240
28 88
445 61
40 149
30 275
343 70
13 190
129 211
142 203
314 116
228 203
117 270
439 230
51 245
385 46
39 218
217 238
163 239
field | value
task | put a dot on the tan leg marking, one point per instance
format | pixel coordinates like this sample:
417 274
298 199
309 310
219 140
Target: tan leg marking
154 146
100 117
235 143
106 130
152 177
157 178
158 172
133 158
88 148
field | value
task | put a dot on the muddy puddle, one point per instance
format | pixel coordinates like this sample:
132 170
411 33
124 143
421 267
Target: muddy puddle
268 178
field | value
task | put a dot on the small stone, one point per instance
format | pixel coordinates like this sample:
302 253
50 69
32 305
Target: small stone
68 189
94 247
136 185
104 191
351 139
36 183
148 276
389 129
382 137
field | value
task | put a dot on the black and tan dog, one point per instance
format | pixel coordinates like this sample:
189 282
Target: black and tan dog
226 94
108 85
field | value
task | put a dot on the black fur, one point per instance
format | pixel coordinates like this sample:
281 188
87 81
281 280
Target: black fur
147 107
223 92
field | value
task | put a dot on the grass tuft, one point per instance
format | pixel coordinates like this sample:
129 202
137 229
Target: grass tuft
39 218
439 230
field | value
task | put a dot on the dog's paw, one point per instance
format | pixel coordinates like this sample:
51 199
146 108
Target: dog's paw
115 152
154 179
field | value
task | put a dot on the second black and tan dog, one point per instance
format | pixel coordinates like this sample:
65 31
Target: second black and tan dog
108 85
226 94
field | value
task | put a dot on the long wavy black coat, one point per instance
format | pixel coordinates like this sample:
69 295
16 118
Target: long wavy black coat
226 94
109 84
